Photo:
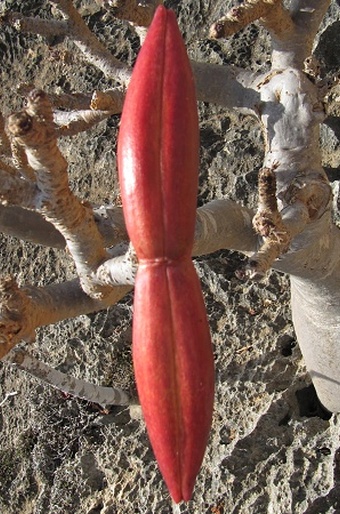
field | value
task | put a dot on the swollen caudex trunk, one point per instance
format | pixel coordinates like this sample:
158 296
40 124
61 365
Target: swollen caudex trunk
316 316
158 151
291 114
315 296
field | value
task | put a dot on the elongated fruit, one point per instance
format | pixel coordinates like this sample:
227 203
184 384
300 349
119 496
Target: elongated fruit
158 152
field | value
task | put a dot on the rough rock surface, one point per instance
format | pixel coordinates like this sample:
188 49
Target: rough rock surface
272 448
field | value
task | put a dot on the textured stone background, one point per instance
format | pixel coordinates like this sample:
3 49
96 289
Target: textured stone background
271 449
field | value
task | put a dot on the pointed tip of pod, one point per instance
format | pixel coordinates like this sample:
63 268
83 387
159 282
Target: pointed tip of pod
174 370
182 495
158 145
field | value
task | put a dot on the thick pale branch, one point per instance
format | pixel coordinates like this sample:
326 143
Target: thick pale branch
58 204
314 253
316 317
227 86
307 16
224 224
298 46
29 225
25 309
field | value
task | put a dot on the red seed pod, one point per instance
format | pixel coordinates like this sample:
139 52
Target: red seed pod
158 146
158 152
174 370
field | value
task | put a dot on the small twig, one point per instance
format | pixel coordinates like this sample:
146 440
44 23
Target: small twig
70 385
87 42
111 100
36 25
7 396
137 12
69 101
79 111
268 223
71 123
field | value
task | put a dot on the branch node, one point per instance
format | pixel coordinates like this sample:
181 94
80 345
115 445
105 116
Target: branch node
268 223
14 323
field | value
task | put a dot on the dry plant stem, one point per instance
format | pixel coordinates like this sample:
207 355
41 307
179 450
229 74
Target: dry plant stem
102 105
84 112
91 47
271 12
71 123
72 102
28 225
57 203
109 100
36 25
137 12
69 385
69 101
25 309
